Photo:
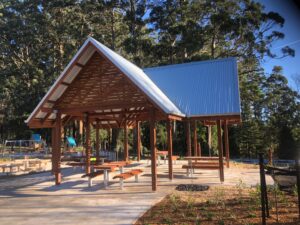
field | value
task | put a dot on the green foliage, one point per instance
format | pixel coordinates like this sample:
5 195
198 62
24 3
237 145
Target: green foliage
38 39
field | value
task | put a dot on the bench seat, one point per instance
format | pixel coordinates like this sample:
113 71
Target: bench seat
127 175
190 168
206 166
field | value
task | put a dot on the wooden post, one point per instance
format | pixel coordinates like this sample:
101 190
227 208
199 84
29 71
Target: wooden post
209 139
195 138
199 149
263 189
220 150
138 136
170 148
188 138
87 143
97 142
226 142
126 142
297 161
57 150
53 146
153 149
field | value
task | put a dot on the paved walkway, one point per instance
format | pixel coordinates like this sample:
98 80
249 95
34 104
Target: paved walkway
33 199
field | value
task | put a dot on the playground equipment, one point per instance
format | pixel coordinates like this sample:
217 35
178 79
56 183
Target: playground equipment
19 146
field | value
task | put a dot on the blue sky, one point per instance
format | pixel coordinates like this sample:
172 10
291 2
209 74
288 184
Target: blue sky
289 11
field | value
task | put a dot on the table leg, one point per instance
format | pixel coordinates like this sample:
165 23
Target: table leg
121 184
90 182
105 178
121 169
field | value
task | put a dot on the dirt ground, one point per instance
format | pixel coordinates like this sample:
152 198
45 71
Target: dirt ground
222 205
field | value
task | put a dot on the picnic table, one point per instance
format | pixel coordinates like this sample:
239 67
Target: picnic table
106 169
29 163
201 162
110 167
201 158
11 167
164 154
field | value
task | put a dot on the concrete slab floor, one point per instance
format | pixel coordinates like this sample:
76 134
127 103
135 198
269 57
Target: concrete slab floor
34 199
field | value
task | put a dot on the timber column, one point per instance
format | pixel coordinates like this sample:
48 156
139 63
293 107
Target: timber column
87 143
170 148
209 139
53 146
97 142
195 138
153 149
188 138
226 142
57 149
220 150
138 136
126 142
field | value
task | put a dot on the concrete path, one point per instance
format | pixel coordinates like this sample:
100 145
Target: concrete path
33 199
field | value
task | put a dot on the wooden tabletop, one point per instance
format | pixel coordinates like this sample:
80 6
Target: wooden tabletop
162 152
105 167
118 163
201 158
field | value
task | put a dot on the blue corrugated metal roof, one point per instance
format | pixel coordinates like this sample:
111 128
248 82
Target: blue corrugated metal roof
200 88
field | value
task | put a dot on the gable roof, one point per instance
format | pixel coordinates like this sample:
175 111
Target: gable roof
206 88
134 73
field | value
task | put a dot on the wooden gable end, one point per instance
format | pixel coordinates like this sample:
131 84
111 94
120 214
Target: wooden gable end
101 85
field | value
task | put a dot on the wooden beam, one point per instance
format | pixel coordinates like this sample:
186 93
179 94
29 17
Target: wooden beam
51 101
195 138
126 155
153 149
188 137
79 64
37 123
170 148
89 108
226 143
46 117
217 117
87 143
138 136
65 83
212 123
47 110
220 150
174 117
57 149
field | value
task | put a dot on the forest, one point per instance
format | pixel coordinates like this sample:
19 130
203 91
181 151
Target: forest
38 38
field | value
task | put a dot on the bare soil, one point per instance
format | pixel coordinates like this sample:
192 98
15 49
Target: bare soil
222 205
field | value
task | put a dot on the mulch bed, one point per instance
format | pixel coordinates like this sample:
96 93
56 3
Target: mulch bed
221 205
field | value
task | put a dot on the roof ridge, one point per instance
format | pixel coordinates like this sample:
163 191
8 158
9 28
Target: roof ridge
194 63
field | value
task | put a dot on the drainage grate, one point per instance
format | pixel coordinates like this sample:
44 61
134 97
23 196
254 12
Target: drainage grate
192 187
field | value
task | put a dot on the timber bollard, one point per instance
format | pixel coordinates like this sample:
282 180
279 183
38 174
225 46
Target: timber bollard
263 190
298 183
